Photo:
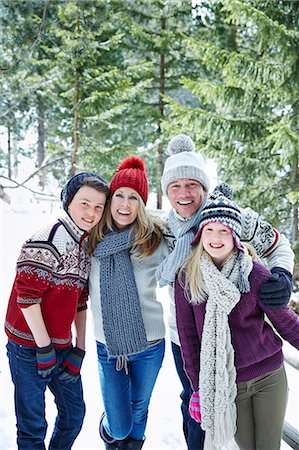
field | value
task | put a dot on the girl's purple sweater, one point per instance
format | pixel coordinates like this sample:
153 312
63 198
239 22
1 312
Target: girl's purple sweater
258 348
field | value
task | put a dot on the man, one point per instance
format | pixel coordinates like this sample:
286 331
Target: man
186 184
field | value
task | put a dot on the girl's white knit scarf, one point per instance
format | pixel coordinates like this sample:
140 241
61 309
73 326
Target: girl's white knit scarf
217 378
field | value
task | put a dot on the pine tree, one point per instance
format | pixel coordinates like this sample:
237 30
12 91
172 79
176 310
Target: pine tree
246 115
155 34
23 46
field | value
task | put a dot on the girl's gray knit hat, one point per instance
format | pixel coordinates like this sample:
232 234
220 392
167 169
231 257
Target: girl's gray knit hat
183 162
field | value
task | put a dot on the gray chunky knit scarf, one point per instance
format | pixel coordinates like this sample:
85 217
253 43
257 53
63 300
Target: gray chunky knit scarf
217 379
122 318
184 231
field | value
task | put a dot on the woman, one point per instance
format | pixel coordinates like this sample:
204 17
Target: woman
128 319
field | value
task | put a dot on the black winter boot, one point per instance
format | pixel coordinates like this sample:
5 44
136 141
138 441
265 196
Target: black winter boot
132 444
114 446
110 442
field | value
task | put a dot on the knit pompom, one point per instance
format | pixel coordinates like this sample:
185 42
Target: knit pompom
132 162
180 143
131 173
222 190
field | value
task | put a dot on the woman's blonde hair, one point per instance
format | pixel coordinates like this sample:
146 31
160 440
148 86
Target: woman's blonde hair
146 227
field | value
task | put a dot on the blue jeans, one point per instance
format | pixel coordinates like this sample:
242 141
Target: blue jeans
126 397
193 433
30 401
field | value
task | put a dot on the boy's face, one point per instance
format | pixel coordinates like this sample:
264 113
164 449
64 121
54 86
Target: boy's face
87 207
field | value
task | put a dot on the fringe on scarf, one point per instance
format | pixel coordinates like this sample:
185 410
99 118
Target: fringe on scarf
225 426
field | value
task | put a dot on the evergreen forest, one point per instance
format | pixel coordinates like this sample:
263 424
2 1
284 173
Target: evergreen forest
98 80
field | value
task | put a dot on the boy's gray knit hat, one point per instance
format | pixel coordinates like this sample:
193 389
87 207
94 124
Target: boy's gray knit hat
183 162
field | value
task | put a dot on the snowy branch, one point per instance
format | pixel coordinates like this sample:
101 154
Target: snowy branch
16 185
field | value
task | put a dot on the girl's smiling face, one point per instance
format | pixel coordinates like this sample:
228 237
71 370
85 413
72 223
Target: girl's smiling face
124 206
217 240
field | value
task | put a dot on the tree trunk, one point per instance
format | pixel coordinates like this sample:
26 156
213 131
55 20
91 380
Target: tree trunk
76 122
9 153
296 206
76 112
14 147
296 224
3 195
40 140
161 111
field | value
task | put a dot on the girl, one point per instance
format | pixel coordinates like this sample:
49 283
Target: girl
128 319
49 295
232 357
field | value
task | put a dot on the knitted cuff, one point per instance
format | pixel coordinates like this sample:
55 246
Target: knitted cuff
282 270
46 349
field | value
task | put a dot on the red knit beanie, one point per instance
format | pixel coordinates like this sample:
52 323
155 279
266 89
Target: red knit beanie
131 173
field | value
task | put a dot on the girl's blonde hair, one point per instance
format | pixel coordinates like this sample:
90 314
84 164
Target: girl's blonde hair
146 227
190 275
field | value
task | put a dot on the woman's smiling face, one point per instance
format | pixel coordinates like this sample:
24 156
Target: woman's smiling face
124 206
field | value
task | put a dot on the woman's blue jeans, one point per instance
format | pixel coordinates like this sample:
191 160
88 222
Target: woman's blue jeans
193 433
126 397
30 401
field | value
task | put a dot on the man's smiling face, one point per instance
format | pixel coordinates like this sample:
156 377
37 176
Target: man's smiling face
186 196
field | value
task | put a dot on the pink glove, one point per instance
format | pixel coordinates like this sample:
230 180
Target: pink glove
194 407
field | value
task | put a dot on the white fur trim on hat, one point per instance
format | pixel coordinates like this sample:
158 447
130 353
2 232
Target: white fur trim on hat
183 162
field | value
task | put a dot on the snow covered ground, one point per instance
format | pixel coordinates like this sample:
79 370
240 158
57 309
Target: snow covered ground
164 424
164 429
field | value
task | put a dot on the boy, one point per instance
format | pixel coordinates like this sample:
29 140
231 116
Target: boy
49 294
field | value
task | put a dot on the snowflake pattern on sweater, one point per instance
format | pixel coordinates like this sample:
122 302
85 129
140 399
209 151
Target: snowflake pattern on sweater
52 270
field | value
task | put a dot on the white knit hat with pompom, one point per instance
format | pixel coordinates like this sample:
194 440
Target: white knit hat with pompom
183 162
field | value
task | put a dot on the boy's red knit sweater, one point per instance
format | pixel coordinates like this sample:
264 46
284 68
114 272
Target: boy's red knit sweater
52 270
